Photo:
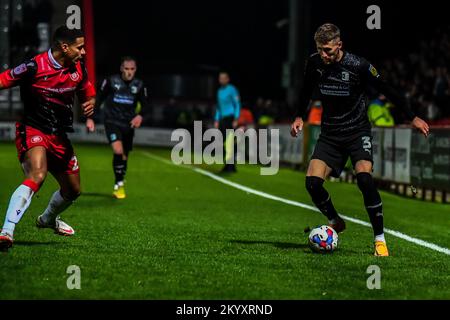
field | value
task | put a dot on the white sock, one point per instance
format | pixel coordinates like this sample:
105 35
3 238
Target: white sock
19 203
56 205
380 237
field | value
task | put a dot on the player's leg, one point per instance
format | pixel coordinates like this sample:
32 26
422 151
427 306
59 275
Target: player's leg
127 146
115 137
229 145
34 165
64 197
373 204
361 155
318 171
119 167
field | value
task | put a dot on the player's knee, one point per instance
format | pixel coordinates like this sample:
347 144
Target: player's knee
365 181
71 194
38 176
313 184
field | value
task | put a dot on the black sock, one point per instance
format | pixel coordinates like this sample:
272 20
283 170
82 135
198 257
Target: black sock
125 163
118 167
372 201
320 197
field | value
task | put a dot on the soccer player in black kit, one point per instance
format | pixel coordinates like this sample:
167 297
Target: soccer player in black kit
121 93
340 79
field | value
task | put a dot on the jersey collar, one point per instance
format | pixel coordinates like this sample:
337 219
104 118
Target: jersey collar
55 63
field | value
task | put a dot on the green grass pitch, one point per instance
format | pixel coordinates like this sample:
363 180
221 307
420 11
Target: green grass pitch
182 235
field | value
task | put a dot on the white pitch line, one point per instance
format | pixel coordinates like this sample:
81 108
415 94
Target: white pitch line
394 233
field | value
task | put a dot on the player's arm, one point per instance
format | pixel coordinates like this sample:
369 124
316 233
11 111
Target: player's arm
142 97
305 97
103 92
217 115
375 80
237 106
13 77
86 94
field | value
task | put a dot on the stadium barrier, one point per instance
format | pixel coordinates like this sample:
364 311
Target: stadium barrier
143 136
405 162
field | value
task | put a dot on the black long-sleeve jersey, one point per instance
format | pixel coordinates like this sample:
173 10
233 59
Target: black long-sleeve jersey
121 98
342 87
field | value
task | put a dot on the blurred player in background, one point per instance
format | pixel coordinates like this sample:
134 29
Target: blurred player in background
226 117
342 79
48 83
121 94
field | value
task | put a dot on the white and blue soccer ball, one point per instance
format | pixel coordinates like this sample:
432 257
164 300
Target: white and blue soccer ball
323 239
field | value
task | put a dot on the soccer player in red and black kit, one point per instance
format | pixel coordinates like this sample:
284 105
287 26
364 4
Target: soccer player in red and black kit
340 79
48 84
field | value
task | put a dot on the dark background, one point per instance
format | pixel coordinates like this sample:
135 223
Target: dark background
202 37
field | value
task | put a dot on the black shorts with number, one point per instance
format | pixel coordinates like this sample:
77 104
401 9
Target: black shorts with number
120 133
334 151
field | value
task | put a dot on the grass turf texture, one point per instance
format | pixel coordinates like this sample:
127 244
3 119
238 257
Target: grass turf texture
181 235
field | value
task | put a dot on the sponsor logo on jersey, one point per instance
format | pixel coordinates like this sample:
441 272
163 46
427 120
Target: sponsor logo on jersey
74 76
36 139
134 89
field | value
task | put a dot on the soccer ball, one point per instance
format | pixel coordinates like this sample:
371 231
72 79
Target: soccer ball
323 239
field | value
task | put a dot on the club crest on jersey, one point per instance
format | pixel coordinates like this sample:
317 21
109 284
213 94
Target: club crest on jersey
36 139
134 89
74 76
19 69
345 76
373 71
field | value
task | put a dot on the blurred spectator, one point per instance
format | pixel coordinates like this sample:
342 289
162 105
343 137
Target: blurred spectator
423 76
379 112
315 113
246 118
266 114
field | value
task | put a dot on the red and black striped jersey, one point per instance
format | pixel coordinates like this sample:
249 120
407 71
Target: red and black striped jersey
48 91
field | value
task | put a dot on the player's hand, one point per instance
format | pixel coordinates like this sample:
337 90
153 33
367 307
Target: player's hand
88 107
296 126
90 125
216 124
421 125
234 124
136 121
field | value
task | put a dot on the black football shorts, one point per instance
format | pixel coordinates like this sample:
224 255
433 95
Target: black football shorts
120 133
335 150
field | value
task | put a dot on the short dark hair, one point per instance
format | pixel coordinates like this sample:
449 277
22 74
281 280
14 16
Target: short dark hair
127 58
326 33
66 35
